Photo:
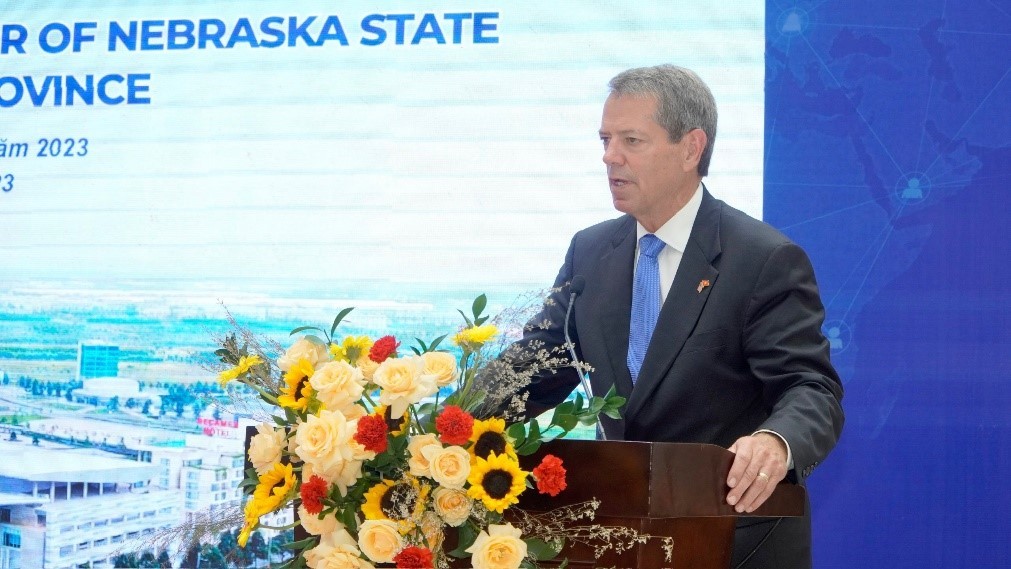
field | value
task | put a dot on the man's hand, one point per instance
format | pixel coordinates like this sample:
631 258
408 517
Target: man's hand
759 464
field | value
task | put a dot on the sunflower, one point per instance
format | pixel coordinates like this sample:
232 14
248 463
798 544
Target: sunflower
395 426
489 437
497 481
272 491
297 392
401 501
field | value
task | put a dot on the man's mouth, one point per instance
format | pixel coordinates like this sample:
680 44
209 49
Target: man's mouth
618 182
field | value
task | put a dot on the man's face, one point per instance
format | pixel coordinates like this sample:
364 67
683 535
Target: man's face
650 177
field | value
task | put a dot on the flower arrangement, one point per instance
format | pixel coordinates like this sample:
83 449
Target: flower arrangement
381 468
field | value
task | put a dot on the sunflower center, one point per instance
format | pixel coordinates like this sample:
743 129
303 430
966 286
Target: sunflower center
398 502
392 425
497 483
489 442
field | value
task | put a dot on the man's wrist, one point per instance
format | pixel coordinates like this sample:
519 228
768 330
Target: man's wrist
786 445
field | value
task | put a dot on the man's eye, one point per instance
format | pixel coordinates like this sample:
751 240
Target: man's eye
604 140
632 140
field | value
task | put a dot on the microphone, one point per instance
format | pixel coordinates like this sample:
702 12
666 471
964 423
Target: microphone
576 286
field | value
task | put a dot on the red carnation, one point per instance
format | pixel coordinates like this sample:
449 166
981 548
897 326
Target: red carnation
413 557
371 433
454 425
550 475
383 348
312 493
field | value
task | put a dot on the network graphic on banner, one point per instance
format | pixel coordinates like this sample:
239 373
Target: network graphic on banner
887 150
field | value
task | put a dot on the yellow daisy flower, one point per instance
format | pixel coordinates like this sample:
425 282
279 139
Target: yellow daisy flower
297 392
245 364
355 346
497 482
476 336
489 437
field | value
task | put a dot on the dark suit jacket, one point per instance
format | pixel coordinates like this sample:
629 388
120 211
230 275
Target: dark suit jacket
744 353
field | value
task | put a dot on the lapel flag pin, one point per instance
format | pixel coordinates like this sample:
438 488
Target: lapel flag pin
702 284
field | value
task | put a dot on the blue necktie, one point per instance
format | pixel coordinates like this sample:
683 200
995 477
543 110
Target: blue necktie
645 302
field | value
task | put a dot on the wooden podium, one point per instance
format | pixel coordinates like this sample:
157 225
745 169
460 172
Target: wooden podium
661 489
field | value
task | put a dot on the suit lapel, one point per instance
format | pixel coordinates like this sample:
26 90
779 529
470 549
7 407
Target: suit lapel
615 302
684 304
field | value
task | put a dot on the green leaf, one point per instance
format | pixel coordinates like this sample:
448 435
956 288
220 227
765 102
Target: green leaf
579 400
466 536
340 316
301 544
416 351
517 432
567 422
597 404
465 318
566 408
613 413
535 430
540 549
436 342
304 328
529 447
479 305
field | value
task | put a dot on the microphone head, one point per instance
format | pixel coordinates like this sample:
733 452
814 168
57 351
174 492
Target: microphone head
577 285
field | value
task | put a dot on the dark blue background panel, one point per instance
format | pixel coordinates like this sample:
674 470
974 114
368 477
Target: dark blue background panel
888 157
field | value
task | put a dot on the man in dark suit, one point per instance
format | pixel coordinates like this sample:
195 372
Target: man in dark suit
707 320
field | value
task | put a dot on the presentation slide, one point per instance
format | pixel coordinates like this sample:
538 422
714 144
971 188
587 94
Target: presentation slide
163 162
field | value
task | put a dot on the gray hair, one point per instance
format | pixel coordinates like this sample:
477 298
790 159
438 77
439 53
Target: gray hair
684 102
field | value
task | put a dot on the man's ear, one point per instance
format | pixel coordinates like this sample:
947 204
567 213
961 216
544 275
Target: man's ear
694 144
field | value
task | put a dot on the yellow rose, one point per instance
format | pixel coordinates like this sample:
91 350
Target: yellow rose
442 366
325 445
453 506
307 348
265 448
498 548
315 526
418 464
380 540
338 385
449 466
402 382
336 550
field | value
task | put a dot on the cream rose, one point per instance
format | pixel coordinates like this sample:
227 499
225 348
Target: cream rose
418 464
338 385
453 506
336 550
265 447
402 382
448 466
315 526
441 366
498 548
380 540
367 366
307 348
325 444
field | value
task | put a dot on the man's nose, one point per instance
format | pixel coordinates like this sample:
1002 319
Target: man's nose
612 156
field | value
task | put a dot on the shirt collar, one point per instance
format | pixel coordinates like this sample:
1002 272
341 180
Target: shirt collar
678 229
